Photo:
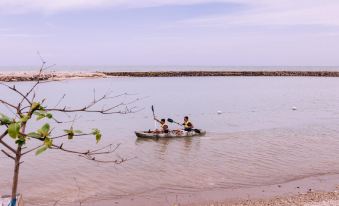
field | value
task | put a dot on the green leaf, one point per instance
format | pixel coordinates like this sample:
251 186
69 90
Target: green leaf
21 141
34 135
4 119
41 116
77 131
37 113
70 133
95 131
41 150
35 106
45 128
24 118
98 137
70 136
13 130
48 142
44 131
97 134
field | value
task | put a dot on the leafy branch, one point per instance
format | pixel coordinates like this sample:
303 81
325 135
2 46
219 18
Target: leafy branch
14 139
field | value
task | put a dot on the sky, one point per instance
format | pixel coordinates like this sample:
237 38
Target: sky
170 32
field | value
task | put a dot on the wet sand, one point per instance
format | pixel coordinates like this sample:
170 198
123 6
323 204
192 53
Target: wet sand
322 190
307 199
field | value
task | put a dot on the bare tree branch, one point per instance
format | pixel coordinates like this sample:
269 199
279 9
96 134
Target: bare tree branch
8 155
4 134
13 88
60 100
75 135
91 155
31 150
85 109
7 103
7 146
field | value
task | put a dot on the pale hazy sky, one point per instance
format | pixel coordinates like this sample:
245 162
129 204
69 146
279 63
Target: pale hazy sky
170 32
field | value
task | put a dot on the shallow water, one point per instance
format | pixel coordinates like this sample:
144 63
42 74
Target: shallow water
257 140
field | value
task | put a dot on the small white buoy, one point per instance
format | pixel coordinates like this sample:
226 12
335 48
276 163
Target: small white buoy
294 108
219 112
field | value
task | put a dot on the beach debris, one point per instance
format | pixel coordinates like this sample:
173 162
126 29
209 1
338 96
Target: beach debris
294 108
219 112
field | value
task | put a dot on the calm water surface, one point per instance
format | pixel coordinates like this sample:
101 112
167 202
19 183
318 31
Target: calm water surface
257 140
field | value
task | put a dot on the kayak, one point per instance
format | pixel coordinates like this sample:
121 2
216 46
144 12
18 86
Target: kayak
171 134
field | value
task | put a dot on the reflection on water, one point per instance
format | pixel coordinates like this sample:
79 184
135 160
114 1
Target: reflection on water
163 143
258 140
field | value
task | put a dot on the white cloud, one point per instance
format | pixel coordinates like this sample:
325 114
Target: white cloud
224 39
258 12
278 13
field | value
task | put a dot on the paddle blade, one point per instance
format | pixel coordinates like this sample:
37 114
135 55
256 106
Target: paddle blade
153 111
170 120
197 131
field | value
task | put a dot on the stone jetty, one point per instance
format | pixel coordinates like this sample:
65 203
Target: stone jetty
223 73
61 75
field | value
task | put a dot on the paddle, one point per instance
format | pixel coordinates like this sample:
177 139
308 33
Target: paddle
153 111
172 121
155 122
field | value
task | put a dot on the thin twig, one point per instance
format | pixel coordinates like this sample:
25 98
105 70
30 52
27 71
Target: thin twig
3 134
75 135
7 146
7 103
31 150
8 155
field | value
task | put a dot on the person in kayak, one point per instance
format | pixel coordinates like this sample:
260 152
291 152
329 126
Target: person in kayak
188 126
163 126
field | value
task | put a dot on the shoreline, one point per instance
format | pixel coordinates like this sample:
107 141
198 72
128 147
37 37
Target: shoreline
322 190
18 76
47 76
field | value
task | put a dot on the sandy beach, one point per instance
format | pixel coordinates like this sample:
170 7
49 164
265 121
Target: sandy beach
306 199
311 191
320 190
48 75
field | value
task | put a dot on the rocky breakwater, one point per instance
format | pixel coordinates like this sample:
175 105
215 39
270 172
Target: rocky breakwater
47 76
223 73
